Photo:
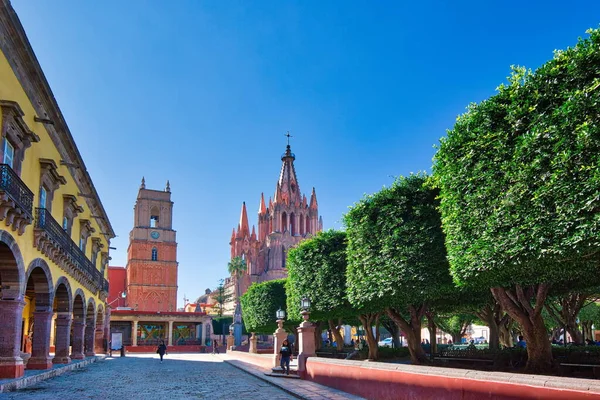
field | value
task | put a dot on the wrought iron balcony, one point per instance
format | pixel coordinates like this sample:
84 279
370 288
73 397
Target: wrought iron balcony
54 242
16 200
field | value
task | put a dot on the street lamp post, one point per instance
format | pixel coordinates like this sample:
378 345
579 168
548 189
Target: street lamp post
279 336
230 338
306 337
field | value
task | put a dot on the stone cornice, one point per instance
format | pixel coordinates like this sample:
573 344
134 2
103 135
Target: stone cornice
21 57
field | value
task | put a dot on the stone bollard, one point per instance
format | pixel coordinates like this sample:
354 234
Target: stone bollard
279 336
253 344
230 342
306 342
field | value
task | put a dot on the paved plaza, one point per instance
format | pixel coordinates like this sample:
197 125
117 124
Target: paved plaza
180 376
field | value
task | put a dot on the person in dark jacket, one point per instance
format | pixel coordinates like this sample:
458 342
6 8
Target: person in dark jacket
286 356
161 350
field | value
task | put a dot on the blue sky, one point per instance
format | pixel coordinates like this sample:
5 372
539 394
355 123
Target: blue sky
202 92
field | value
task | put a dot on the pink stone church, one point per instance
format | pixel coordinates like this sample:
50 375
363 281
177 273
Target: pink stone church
288 219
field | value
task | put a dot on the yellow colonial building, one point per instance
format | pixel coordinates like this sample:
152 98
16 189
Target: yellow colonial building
54 231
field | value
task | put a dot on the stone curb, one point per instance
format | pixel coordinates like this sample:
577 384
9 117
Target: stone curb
284 385
23 382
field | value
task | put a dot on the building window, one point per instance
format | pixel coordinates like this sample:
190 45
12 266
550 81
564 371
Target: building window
82 242
70 211
154 254
154 221
43 196
9 153
65 224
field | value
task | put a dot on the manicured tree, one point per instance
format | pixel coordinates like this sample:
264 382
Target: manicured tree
565 310
259 304
396 255
455 325
589 315
237 267
317 269
519 182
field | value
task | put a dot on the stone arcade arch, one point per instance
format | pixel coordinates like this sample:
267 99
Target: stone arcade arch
78 325
12 282
63 309
90 328
40 291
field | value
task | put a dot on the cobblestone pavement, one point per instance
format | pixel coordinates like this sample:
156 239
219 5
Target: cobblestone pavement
180 376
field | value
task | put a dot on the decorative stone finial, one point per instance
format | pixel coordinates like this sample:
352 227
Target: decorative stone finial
168 188
143 185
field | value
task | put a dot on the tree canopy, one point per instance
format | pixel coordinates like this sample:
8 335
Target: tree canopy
317 269
260 303
519 183
396 255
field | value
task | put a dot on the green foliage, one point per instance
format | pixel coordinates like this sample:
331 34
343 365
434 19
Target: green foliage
520 179
386 353
237 266
591 313
456 325
396 254
317 269
260 303
221 297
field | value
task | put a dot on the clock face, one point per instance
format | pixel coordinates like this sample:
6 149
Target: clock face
155 235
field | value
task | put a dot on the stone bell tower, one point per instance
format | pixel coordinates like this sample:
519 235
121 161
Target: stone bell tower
152 253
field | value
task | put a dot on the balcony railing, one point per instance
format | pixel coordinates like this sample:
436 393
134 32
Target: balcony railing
70 252
16 201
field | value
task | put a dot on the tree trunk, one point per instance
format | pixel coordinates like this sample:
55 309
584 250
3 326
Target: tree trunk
368 320
456 338
412 331
505 332
565 311
518 305
318 332
432 333
493 317
392 328
339 340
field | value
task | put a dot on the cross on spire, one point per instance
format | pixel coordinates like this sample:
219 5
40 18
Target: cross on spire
288 137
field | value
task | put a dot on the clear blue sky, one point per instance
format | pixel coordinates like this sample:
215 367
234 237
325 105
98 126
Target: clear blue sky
201 93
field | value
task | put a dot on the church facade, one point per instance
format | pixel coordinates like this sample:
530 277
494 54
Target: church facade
283 221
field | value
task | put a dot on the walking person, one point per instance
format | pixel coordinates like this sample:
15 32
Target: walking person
286 356
161 350
215 348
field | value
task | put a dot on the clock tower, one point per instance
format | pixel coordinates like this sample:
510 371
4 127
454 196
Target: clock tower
152 253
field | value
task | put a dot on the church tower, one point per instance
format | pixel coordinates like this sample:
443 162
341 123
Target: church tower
152 253
287 219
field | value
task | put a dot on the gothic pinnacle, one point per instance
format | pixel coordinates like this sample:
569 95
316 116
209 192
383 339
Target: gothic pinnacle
143 185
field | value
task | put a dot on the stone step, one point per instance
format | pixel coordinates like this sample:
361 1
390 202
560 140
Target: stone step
280 371
280 375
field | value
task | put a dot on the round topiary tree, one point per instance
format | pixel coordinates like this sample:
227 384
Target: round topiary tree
519 178
317 269
259 304
396 255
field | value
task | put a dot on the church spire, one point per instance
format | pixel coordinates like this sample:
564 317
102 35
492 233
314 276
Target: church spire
244 229
287 184
168 187
262 209
143 185
313 199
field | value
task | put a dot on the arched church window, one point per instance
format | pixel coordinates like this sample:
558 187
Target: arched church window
154 254
284 222
293 224
307 224
283 255
301 225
